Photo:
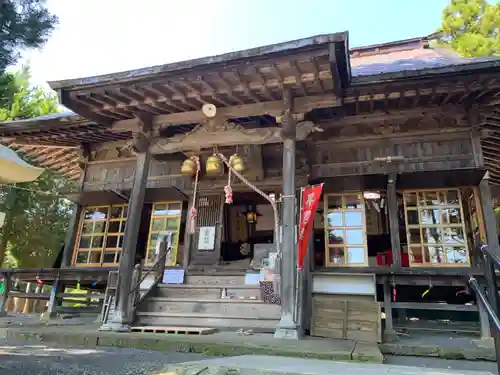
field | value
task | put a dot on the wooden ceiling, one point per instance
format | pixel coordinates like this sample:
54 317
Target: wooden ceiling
312 66
251 82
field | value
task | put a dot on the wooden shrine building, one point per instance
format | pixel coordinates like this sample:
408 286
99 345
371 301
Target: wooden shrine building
404 137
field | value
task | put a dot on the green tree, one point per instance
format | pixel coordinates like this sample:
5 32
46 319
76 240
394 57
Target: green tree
20 101
23 24
36 217
471 27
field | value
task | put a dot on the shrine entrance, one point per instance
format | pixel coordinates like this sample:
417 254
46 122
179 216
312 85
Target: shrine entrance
228 235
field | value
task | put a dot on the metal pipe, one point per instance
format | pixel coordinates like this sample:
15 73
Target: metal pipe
482 298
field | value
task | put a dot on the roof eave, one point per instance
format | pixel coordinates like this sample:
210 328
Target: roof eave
426 73
286 48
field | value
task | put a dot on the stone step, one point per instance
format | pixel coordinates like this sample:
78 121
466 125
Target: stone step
220 321
208 291
225 307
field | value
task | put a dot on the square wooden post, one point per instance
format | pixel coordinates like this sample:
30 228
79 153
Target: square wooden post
123 315
490 222
287 327
392 205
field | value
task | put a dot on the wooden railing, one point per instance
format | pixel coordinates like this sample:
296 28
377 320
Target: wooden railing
490 300
158 268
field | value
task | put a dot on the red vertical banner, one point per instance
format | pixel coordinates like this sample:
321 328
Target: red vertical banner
310 197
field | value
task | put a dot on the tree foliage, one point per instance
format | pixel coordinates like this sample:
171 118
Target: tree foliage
20 101
36 217
472 27
23 24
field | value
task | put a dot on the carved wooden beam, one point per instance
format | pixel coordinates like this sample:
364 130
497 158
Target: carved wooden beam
141 138
273 108
225 134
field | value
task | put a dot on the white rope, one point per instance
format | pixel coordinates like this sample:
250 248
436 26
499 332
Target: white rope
265 196
193 212
227 189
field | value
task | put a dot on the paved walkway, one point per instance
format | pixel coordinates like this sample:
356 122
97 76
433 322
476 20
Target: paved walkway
82 333
256 365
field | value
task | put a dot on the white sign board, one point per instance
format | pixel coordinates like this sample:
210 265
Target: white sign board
206 240
173 276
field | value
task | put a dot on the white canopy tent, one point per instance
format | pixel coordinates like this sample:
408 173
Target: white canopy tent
13 169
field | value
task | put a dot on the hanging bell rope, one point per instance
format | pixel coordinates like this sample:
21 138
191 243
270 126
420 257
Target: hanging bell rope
227 189
264 195
193 212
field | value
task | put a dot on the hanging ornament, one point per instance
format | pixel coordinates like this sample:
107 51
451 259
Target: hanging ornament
78 285
193 212
189 166
227 189
94 283
38 281
214 166
237 163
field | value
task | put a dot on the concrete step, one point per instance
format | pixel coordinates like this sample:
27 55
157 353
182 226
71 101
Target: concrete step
204 291
220 321
225 307
215 279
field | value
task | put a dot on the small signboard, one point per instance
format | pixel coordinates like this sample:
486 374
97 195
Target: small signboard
206 240
173 276
252 278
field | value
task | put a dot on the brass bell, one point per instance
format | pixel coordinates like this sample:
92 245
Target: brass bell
238 163
214 166
189 167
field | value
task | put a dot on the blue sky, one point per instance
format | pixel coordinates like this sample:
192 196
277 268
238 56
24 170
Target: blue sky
105 36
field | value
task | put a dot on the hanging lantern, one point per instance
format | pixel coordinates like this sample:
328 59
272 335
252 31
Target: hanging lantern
238 163
214 166
189 167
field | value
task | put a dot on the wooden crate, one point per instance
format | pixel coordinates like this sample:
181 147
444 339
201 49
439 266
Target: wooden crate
346 317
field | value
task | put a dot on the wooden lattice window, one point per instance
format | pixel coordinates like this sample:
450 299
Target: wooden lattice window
435 228
100 237
345 230
165 217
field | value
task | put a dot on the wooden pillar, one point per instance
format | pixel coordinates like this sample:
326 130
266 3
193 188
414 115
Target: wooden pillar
287 327
69 241
490 222
5 295
123 317
392 205
389 332
162 255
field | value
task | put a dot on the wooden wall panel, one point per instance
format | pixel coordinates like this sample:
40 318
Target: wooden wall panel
118 175
446 152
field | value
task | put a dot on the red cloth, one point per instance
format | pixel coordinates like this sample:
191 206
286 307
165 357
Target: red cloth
310 198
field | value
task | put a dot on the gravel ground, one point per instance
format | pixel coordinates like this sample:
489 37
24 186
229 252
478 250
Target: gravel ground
49 360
